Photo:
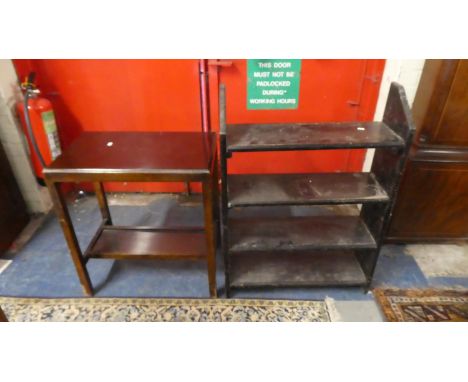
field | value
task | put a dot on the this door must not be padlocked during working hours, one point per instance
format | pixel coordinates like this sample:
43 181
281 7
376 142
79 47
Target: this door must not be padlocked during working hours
164 95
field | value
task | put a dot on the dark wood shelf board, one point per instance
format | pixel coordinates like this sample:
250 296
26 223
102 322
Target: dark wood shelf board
299 233
146 244
259 269
310 136
136 153
300 189
155 229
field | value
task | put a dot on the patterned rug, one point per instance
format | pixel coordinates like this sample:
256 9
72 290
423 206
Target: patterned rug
423 305
162 310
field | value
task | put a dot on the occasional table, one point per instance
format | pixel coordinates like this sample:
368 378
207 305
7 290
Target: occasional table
99 157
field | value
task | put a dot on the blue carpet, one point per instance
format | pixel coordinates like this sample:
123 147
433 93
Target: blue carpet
43 267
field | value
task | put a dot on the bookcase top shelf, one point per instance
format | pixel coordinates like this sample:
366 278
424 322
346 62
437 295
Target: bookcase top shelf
310 136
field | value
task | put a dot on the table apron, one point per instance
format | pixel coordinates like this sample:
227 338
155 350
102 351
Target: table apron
113 177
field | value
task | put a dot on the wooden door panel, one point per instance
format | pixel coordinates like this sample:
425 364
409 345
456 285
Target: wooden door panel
432 202
445 113
453 126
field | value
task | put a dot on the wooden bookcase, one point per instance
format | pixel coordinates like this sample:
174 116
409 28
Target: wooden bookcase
316 250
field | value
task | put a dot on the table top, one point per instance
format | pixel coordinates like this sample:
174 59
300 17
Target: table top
137 153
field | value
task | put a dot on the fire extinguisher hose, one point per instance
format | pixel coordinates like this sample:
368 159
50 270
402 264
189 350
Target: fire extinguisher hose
29 128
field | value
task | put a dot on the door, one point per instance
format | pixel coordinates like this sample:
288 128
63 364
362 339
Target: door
329 90
432 204
13 215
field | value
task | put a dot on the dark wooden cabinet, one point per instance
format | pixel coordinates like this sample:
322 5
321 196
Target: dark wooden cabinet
432 204
13 215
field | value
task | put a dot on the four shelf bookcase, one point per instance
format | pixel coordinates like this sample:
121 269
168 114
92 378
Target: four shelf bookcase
320 249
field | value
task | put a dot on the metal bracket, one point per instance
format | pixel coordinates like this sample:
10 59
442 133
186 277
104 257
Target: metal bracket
353 103
222 63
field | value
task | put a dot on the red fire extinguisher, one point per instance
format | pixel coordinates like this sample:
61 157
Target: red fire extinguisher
39 126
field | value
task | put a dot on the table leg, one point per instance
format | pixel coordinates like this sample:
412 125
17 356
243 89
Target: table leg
102 201
188 189
2 316
216 206
208 202
61 210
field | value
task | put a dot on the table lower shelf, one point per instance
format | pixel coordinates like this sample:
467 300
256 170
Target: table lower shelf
287 269
147 243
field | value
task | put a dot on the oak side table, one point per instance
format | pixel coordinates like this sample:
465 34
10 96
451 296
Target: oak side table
99 157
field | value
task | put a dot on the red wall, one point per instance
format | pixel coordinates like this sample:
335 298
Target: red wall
120 95
163 95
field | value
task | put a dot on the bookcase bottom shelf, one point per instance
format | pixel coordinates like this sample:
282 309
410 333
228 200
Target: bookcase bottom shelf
259 269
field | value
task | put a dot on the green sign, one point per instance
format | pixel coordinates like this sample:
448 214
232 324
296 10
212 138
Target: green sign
273 84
